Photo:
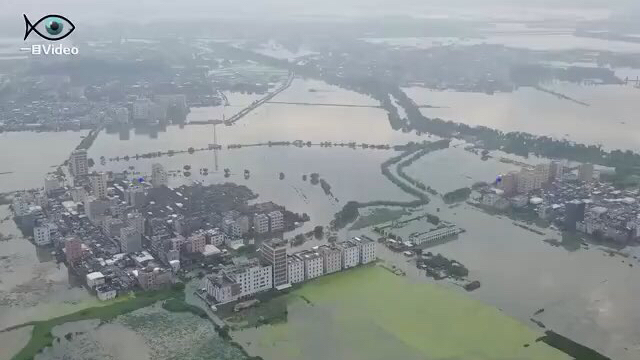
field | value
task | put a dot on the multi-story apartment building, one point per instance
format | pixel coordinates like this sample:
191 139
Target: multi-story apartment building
274 253
99 184
331 258
130 240
366 249
158 175
222 288
276 221
252 277
261 224
215 237
78 163
350 254
295 269
313 266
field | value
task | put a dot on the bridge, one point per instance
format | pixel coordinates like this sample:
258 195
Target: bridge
255 104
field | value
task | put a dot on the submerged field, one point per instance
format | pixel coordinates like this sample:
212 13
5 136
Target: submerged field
369 313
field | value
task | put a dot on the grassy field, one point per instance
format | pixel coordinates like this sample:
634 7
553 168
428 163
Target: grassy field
41 336
369 313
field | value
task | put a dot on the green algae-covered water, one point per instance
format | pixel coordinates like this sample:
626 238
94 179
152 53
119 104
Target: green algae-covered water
370 313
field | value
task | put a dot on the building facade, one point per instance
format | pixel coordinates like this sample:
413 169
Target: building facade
295 269
366 249
276 221
274 253
78 162
331 259
261 224
350 254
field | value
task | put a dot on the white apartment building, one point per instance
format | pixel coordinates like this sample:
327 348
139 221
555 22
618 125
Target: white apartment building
99 184
261 224
158 175
366 249
222 288
313 266
331 259
295 267
51 183
252 277
78 163
350 254
436 234
42 235
276 221
215 237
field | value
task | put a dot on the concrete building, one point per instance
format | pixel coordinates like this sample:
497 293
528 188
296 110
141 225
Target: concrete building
236 227
556 171
366 249
52 183
509 183
196 243
42 235
158 175
313 266
527 181
130 240
78 163
95 279
21 205
252 277
261 224
73 249
274 252
541 175
215 237
295 269
574 213
331 258
585 172
112 226
105 293
99 184
437 234
136 221
154 278
135 196
222 288
96 209
350 254
276 221
141 110
78 194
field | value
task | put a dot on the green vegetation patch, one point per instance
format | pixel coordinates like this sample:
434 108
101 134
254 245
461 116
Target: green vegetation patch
378 216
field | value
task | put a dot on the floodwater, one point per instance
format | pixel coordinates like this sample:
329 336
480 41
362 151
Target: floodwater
533 40
370 313
28 156
609 118
145 334
587 296
32 285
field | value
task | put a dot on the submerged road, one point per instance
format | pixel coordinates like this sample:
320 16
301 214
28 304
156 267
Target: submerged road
255 104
